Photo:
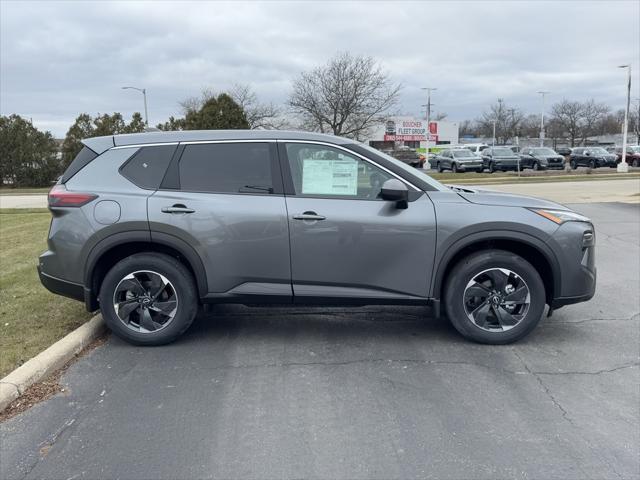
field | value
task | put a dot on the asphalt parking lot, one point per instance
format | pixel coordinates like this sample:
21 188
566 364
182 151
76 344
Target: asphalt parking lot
376 392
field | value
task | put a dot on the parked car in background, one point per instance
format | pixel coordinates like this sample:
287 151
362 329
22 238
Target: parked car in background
541 158
632 157
409 156
564 151
458 160
146 227
476 148
500 158
592 157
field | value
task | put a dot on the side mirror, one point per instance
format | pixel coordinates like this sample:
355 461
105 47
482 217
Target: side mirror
395 191
588 154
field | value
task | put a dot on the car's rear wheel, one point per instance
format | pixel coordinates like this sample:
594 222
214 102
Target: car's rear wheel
439 167
494 297
635 162
536 166
573 164
492 167
148 299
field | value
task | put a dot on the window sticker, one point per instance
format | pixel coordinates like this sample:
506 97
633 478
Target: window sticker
330 177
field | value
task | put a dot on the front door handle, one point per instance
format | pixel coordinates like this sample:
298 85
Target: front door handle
308 216
177 208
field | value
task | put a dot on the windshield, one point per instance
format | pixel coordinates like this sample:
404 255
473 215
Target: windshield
599 151
503 152
543 151
416 172
635 149
463 154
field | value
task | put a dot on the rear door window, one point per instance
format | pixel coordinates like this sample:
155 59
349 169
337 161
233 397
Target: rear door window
227 168
147 167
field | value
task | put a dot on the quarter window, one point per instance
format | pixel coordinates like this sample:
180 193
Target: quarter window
226 168
325 171
148 166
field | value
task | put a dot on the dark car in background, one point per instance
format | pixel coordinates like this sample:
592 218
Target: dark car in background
458 160
541 158
632 157
592 157
500 158
409 156
564 151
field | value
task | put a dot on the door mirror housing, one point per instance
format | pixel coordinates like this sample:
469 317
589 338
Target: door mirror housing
396 191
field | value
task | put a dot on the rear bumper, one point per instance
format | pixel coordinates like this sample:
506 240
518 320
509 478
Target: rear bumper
61 287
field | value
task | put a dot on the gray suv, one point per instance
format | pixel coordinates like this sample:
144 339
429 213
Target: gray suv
147 227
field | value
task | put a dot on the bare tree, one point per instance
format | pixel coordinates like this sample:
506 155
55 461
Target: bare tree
580 120
438 116
467 128
568 116
259 115
592 115
345 97
507 121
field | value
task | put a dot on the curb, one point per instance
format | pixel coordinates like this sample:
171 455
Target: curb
49 360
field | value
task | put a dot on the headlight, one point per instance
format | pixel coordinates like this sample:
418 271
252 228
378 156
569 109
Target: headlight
561 216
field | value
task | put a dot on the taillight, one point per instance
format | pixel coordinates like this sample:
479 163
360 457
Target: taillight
59 196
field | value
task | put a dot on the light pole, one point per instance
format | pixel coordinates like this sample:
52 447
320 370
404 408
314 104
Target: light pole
542 135
144 94
623 166
428 129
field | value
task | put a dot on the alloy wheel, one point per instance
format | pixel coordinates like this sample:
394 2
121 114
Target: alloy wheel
496 299
145 301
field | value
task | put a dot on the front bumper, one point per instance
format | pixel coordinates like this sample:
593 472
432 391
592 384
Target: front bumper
574 244
471 166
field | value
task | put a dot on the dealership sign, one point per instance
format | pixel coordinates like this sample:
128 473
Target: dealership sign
410 131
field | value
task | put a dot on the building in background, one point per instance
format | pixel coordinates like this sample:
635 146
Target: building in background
398 132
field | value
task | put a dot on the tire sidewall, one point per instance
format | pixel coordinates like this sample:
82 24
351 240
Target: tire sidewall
471 266
179 277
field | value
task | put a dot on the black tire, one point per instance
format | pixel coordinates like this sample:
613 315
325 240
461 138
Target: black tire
480 170
181 282
439 167
536 166
472 266
492 167
454 167
634 162
592 164
573 164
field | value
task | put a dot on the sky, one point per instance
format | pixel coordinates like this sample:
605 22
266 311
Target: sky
61 58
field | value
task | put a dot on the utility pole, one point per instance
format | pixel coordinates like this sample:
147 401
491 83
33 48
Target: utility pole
623 166
542 133
428 112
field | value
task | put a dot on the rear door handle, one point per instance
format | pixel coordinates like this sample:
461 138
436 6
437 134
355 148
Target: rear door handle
309 216
177 208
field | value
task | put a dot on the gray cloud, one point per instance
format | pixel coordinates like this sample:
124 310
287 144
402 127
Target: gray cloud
58 59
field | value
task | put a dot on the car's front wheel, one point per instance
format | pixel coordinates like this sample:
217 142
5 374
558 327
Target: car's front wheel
573 164
454 167
494 297
148 299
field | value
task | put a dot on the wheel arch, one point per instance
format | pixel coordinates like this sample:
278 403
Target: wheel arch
531 249
118 246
